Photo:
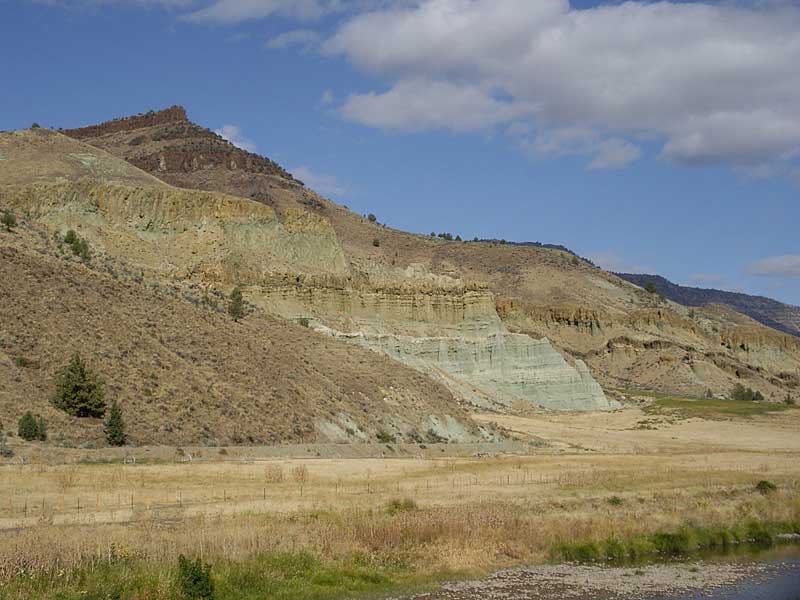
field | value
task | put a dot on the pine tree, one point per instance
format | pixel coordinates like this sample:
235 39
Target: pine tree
28 427
236 305
115 426
79 392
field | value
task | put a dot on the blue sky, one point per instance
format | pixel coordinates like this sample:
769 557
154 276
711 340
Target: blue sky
649 137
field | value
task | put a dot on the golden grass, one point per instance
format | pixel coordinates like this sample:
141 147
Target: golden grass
474 514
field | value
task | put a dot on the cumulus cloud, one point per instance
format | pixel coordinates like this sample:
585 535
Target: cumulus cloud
233 134
304 38
775 266
328 185
236 11
415 105
709 83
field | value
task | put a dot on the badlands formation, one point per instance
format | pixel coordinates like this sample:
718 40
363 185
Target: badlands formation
488 326
626 337
290 265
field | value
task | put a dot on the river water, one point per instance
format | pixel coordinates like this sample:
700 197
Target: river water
745 574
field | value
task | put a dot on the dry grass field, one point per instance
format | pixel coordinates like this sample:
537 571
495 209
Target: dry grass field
417 518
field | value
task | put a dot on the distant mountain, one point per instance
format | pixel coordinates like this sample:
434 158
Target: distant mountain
780 316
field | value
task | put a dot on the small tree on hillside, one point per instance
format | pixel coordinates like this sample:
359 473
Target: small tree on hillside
30 428
79 392
236 304
115 426
650 287
8 220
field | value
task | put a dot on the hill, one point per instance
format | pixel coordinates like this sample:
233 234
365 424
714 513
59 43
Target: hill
626 336
183 371
780 316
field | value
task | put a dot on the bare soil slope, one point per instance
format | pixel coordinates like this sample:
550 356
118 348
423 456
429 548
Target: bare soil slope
182 370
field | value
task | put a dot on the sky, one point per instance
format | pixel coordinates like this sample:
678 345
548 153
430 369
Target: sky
659 137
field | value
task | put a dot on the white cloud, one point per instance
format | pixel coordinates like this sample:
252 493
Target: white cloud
605 153
233 134
415 105
327 185
775 266
711 82
304 38
236 11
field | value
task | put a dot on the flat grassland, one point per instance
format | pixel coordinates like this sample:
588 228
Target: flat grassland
328 527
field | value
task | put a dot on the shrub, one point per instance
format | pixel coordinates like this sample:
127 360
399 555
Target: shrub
8 220
273 474
398 506
615 501
650 287
236 304
71 237
30 428
746 394
376 242
5 451
372 218
79 392
194 579
115 426
23 362
765 487
790 401
385 437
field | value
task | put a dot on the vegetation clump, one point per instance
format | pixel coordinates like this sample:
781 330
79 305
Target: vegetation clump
194 579
384 437
236 305
746 394
115 426
399 506
30 428
79 392
8 220
765 487
80 247
376 242
650 287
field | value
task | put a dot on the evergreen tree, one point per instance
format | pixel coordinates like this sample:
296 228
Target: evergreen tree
236 305
79 392
28 427
115 426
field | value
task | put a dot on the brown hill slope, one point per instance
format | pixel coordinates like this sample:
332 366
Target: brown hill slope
780 316
183 372
626 335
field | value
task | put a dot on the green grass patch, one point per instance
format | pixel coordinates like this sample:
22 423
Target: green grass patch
709 408
670 544
280 576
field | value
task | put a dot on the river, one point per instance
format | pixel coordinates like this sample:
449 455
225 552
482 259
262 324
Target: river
747 574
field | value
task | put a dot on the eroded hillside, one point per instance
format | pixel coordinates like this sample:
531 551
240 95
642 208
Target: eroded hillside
183 371
627 336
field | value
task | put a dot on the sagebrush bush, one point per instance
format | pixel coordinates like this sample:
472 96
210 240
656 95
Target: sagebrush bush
236 304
